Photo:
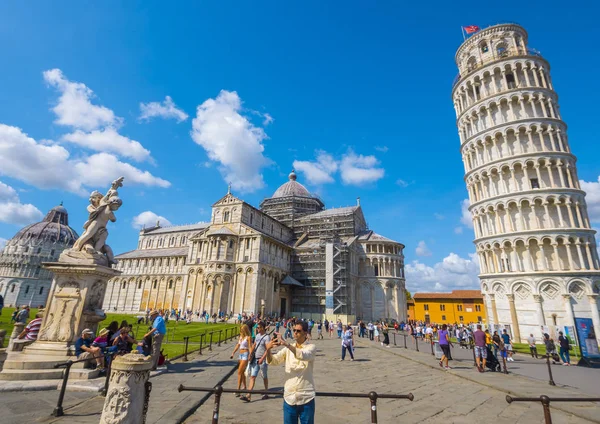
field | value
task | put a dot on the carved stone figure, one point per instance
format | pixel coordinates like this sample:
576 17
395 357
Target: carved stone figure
92 243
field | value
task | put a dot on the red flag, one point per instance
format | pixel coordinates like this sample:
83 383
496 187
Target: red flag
471 29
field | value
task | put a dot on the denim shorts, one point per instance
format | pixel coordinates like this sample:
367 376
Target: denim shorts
243 356
481 351
255 368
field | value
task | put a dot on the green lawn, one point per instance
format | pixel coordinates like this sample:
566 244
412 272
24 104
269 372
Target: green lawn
173 344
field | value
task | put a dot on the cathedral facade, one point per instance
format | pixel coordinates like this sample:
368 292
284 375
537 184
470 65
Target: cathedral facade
291 257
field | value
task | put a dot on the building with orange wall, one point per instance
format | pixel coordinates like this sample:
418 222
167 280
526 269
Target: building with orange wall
459 306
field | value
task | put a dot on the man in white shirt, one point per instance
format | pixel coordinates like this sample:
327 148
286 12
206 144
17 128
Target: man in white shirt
299 388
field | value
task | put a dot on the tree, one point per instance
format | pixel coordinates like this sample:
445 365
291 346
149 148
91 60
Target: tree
408 295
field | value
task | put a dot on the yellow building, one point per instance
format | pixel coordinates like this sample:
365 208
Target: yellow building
460 306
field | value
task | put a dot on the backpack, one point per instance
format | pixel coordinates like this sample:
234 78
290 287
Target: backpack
161 359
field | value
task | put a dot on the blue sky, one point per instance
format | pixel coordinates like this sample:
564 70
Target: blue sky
356 94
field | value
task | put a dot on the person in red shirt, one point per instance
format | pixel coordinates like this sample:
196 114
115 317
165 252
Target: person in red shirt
31 331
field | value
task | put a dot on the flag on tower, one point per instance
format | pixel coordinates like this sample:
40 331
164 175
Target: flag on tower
471 29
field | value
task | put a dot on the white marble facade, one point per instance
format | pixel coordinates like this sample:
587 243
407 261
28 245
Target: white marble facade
537 250
263 260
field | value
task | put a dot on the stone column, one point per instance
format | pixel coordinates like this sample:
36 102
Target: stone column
125 401
595 315
399 311
539 309
494 309
490 318
569 309
513 316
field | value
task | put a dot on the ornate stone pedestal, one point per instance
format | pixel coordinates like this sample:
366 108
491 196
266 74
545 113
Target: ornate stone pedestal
126 401
74 303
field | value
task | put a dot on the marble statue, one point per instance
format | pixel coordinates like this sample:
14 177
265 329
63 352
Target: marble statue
93 240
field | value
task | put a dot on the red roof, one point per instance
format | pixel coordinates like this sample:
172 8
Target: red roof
456 294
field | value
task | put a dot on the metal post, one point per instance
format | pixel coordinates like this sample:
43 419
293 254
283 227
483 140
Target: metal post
220 332
373 399
58 411
474 359
546 405
187 340
201 338
405 347
433 354
551 382
210 344
395 340
218 392
225 339
105 390
417 343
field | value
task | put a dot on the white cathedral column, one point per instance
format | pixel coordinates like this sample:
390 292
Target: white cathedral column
569 310
539 309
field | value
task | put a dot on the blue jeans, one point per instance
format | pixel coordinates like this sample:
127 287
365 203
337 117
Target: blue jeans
349 348
564 355
305 413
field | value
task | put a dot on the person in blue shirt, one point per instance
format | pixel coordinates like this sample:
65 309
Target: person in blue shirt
507 345
158 331
85 350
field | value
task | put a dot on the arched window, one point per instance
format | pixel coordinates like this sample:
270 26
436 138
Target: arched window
251 218
26 289
124 285
154 284
471 63
139 284
41 290
484 47
502 49
26 249
170 284
226 216
183 240
12 289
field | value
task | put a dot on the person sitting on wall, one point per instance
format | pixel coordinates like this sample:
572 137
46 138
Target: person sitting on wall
85 350
30 332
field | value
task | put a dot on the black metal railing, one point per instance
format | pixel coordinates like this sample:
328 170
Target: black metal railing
219 390
206 340
58 410
545 401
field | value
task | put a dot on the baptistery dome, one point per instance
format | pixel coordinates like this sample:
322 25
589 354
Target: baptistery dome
22 278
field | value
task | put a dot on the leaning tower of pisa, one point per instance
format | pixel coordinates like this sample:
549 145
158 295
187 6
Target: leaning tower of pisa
537 251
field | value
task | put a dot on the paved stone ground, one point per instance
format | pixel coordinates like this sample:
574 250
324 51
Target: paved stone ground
459 396
582 379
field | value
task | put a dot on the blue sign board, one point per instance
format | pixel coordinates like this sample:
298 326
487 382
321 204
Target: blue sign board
587 338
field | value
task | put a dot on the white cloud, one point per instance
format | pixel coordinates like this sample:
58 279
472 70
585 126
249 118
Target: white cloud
268 119
230 139
74 107
149 219
102 168
592 198
466 218
358 169
402 183
12 211
166 110
50 166
422 249
458 230
453 272
319 171
382 149
109 140
354 169
439 216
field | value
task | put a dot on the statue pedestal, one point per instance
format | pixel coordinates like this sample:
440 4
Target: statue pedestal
126 400
74 303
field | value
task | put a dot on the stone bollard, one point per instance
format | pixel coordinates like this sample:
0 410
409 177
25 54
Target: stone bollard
128 388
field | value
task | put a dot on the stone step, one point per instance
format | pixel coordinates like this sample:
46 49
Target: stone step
47 374
23 361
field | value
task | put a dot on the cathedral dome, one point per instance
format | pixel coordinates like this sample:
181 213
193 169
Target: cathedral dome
54 228
292 188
